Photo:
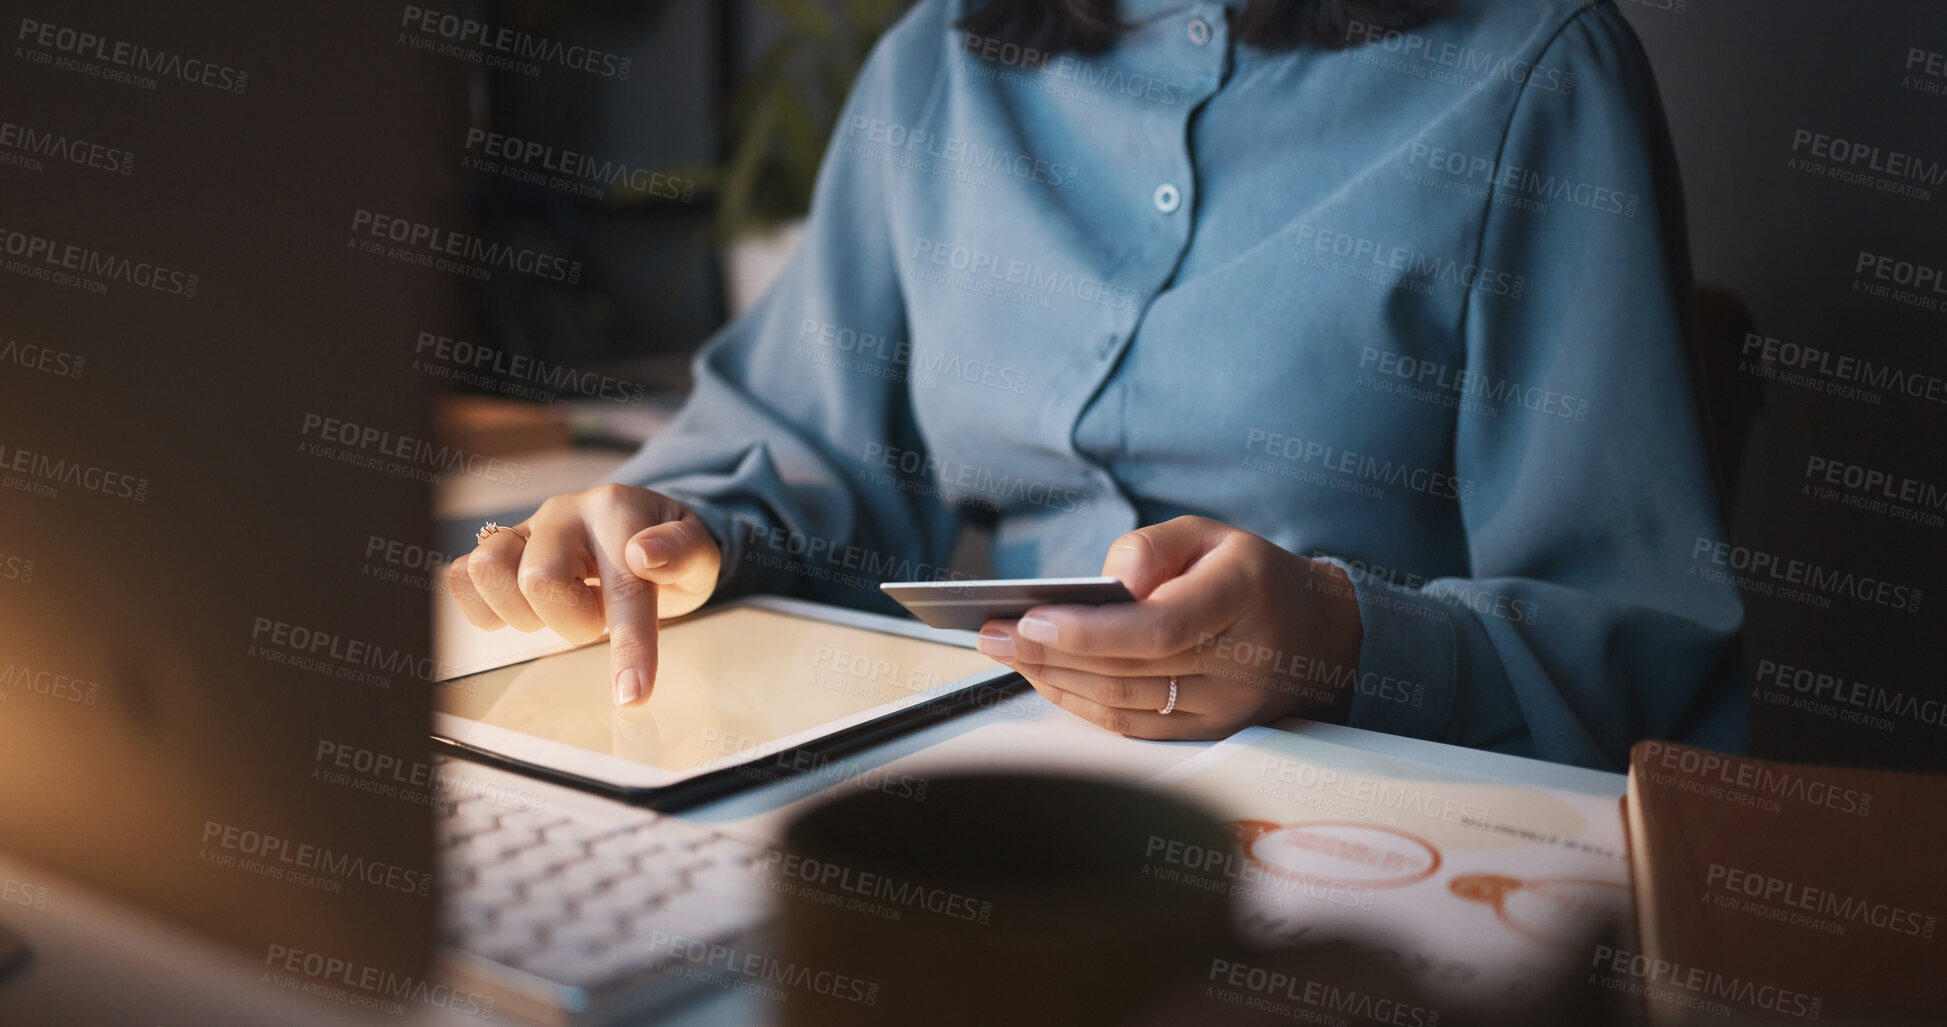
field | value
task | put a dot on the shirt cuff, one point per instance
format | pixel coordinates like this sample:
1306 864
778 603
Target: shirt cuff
1407 676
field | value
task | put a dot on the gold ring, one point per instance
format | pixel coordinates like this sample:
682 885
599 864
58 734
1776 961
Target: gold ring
490 527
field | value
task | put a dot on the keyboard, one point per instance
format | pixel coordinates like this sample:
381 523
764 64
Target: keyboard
591 904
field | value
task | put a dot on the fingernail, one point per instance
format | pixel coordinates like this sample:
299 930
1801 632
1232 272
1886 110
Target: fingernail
1035 629
649 554
998 644
628 687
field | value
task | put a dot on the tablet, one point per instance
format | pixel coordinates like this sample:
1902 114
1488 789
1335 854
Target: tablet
745 692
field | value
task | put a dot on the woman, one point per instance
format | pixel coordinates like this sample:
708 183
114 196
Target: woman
1350 334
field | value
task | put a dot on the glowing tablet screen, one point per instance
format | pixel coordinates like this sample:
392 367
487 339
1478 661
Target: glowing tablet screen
730 683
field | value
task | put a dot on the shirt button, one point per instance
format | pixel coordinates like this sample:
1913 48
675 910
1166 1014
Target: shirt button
1167 198
1199 31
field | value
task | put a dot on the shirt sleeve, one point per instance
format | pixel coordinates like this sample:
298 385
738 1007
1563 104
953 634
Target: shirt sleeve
805 393
1582 625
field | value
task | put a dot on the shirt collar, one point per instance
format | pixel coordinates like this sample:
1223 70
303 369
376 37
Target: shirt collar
1145 10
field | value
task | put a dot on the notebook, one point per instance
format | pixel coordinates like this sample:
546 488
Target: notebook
1780 892
1485 893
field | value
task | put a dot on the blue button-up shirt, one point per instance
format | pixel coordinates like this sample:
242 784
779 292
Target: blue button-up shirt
1418 307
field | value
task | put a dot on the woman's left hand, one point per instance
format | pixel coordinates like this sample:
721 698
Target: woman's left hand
1249 631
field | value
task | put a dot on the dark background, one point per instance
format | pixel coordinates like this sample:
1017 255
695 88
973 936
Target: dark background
201 396
1739 78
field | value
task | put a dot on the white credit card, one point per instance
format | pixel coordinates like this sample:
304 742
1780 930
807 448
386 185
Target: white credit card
967 605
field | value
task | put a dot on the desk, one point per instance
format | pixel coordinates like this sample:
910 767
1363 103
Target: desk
97 961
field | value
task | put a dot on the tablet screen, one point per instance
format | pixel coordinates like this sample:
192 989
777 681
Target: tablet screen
730 684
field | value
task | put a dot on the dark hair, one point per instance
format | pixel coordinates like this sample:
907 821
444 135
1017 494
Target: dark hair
1052 26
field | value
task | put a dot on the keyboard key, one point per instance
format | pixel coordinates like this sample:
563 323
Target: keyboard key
488 894
537 863
602 904
450 832
595 873
639 890
668 863
625 846
576 832
589 936
456 875
517 835
529 918
557 891
475 811
724 848
690 837
495 845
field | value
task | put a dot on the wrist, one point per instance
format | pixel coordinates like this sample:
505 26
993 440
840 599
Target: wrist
1331 621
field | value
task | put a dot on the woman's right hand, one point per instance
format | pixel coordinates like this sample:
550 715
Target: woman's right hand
614 557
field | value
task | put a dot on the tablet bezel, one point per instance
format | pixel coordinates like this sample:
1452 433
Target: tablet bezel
669 789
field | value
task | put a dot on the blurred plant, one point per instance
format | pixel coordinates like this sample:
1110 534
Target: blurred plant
562 14
779 116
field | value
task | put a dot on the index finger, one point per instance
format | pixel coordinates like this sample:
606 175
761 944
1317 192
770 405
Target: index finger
629 605
1177 615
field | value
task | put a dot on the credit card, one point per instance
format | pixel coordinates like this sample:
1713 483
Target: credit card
969 604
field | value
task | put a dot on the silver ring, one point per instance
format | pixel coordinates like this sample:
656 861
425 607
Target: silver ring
1169 707
487 530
